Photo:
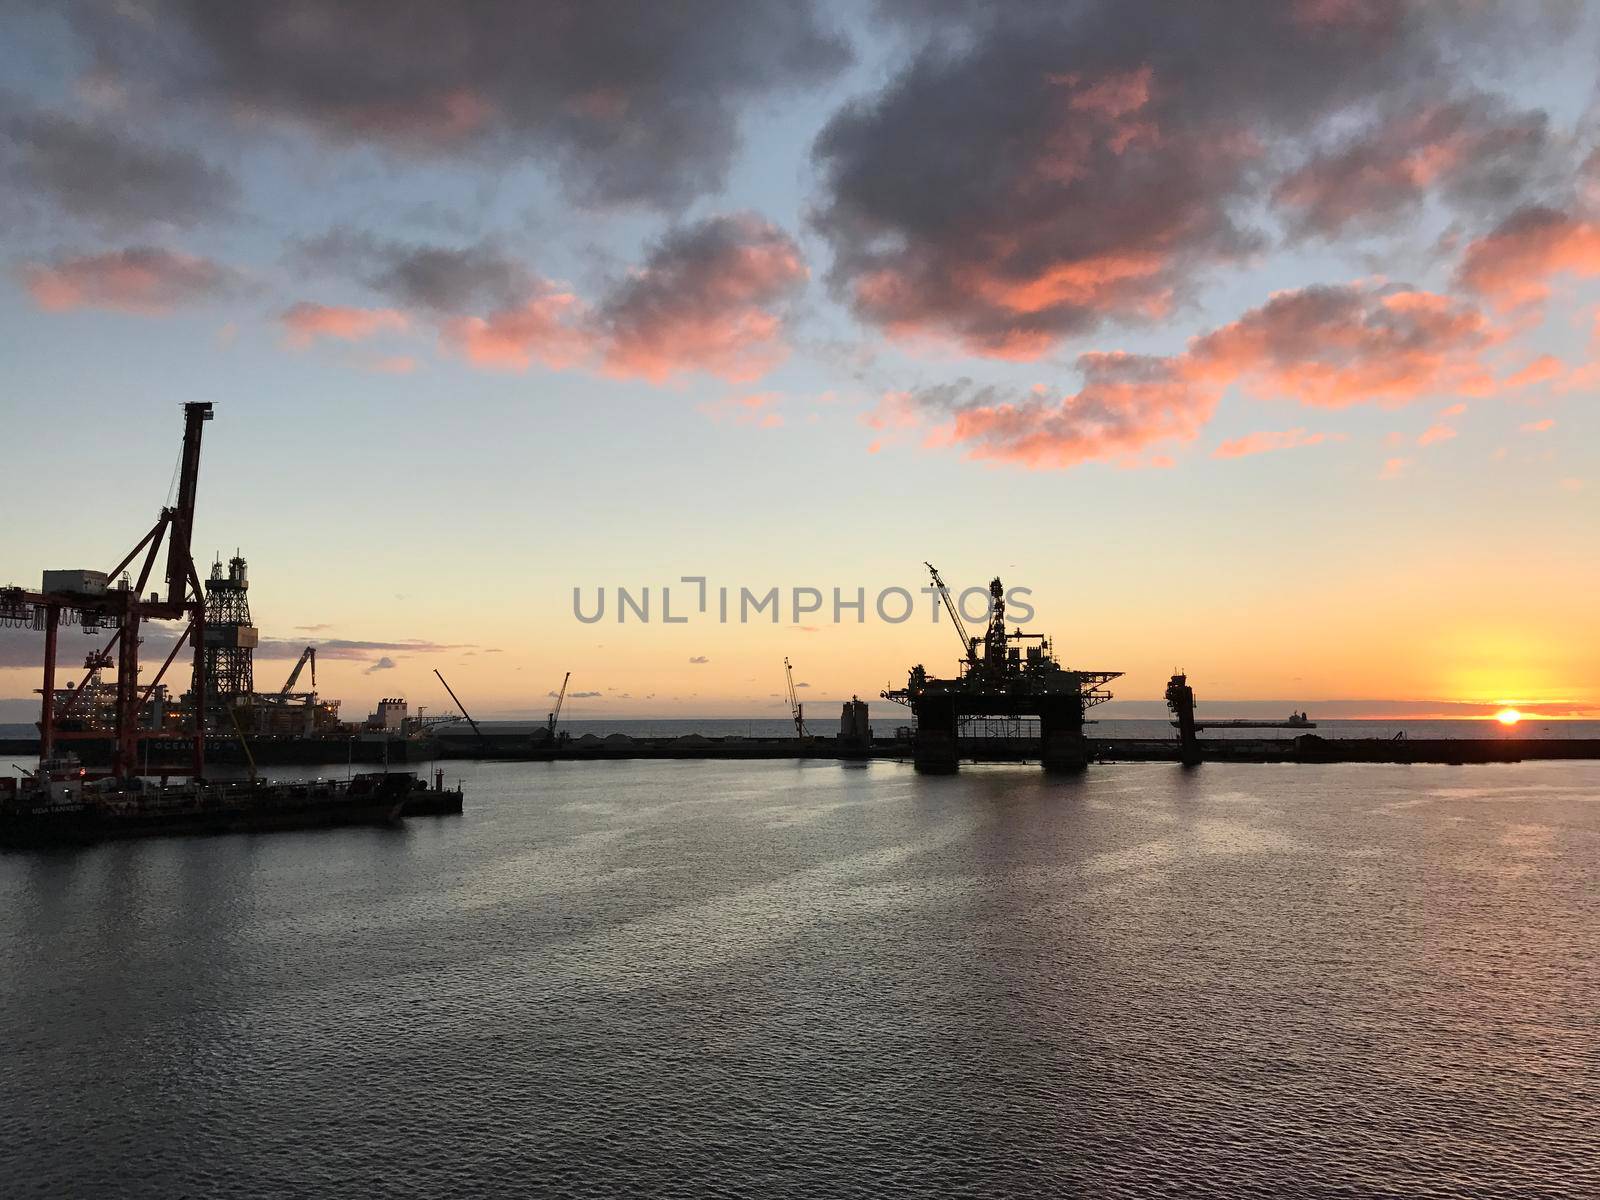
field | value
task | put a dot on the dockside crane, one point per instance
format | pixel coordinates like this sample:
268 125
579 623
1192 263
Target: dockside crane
795 708
555 716
483 742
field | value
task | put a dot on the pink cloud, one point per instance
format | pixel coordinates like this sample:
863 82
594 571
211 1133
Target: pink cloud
1544 369
1514 264
306 322
1543 426
142 279
1435 433
707 299
1127 403
1267 440
547 327
1326 347
1393 468
1332 347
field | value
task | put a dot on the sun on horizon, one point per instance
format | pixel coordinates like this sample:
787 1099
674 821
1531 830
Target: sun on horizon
1508 716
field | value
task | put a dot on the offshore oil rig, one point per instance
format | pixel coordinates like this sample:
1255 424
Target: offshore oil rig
1002 674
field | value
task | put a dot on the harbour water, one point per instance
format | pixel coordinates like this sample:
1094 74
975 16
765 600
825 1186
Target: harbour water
709 978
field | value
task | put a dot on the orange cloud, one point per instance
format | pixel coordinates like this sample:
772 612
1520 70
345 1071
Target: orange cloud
1435 433
306 322
1267 440
547 327
1543 426
1332 347
1127 403
1393 468
1326 347
1543 369
707 299
1514 264
142 279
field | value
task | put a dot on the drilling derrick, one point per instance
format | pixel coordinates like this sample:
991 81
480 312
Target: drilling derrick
230 640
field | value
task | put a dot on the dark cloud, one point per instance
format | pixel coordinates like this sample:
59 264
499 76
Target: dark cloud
1472 152
441 279
629 102
699 658
1041 168
141 279
710 296
342 648
383 664
103 175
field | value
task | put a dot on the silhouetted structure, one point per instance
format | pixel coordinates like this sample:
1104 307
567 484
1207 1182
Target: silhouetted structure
1006 675
855 732
231 641
113 601
1180 699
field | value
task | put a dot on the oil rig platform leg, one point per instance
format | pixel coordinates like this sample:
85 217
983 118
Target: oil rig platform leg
935 750
1062 746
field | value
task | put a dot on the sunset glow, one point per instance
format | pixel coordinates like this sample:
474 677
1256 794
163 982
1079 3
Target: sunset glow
1508 716
1279 373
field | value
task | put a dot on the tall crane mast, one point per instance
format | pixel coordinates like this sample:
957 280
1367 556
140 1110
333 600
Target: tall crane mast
795 709
969 644
560 700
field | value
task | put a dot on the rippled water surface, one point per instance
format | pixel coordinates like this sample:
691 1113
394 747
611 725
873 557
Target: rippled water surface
718 979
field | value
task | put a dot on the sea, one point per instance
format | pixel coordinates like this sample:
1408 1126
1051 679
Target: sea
811 979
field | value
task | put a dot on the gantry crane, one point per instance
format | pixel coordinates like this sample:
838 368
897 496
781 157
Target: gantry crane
114 601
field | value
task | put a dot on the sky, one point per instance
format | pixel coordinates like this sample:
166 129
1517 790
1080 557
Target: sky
1251 339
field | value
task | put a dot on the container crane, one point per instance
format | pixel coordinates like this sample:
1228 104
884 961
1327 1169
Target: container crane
795 708
555 716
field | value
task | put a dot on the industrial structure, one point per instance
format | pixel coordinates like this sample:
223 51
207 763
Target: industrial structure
1002 674
231 638
797 712
112 601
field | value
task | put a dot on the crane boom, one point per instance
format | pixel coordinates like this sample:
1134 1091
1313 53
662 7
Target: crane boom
968 653
483 741
560 700
308 655
795 709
